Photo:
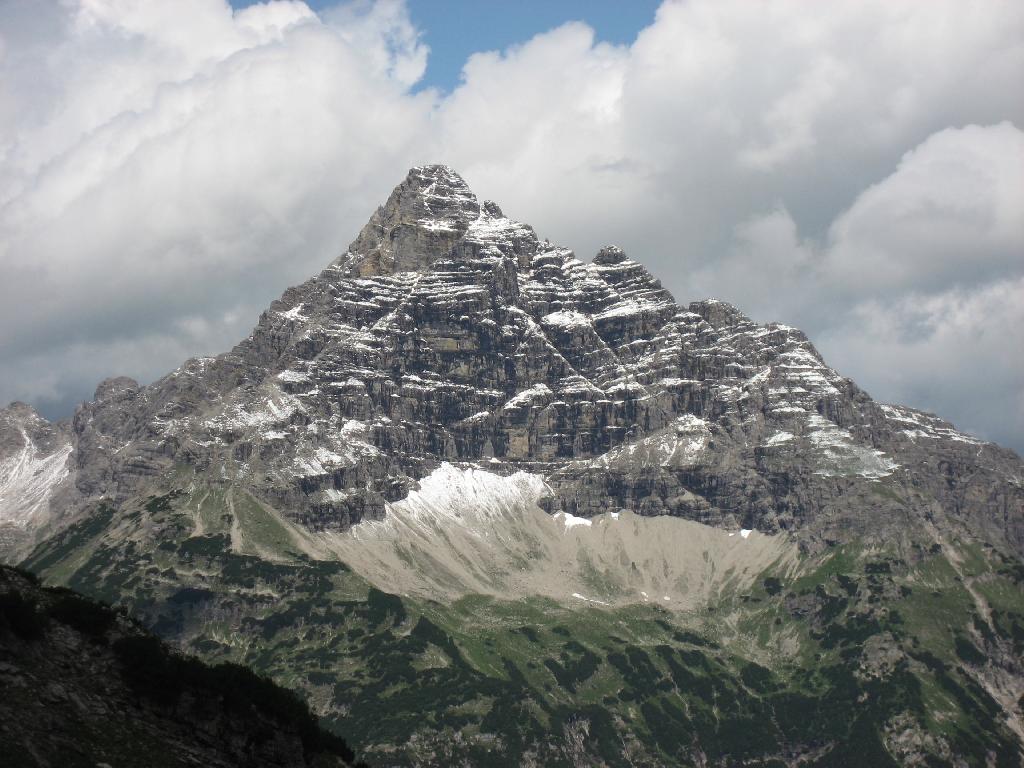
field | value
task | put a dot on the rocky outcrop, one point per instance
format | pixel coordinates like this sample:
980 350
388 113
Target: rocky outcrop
448 332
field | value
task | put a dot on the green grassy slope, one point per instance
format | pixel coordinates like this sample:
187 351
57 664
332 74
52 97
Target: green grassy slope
906 656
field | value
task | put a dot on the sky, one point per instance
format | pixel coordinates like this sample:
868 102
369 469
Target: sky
456 29
855 169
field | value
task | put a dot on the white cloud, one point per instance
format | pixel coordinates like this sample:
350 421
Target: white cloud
164 175
186 174
383 34
769 272
927 269
950 214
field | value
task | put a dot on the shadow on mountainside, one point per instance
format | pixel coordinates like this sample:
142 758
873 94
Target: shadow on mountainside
86 685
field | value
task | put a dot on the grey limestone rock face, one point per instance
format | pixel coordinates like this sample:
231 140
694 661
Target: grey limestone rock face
448 332
425 216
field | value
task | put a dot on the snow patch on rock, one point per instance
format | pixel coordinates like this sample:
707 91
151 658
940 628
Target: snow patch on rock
779 438
838 454
925 426
466 497
295 313
571 521
527 396
566 320
578 596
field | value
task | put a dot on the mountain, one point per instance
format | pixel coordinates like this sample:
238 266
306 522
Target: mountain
33 462
84 685
480 500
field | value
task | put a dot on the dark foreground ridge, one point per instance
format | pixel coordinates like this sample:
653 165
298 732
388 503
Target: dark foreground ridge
84 685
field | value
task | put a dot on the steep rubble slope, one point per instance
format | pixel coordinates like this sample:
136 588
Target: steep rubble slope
466 531
33 462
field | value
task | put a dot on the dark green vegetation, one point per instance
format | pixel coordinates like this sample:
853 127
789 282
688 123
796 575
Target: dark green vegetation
131 695
858 657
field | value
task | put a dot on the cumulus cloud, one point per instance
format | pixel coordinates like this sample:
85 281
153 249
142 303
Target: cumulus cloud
950 214
852 168
929 266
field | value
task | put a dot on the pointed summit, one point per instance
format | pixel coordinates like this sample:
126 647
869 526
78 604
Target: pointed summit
438 192
421 221
433 214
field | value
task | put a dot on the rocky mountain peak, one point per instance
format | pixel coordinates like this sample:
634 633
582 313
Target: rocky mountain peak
609 255
718 313
449 333
430 216
19 412
21 425
421 221
115 387
433 194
